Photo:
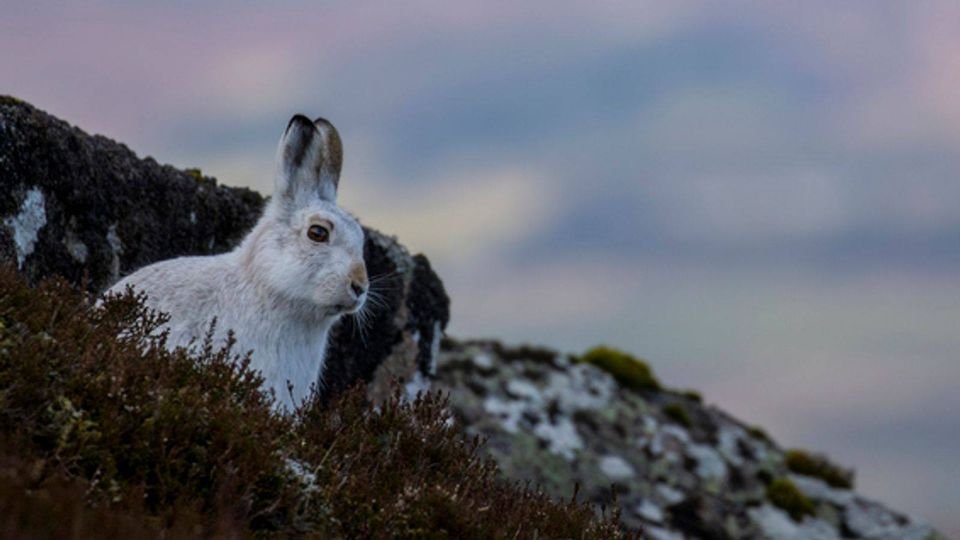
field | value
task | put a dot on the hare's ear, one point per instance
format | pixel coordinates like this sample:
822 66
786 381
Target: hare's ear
308 162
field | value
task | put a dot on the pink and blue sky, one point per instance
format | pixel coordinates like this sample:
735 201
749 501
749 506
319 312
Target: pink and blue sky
759 197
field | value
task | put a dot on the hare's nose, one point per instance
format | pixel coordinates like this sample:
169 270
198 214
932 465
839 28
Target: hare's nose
357 288
358 279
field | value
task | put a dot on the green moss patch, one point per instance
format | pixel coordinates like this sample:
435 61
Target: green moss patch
103 427
629 371
10 100
758 432
818 466
678 413
784 494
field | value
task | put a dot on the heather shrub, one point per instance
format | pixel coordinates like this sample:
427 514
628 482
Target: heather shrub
94 395
103 428
406 471
38 505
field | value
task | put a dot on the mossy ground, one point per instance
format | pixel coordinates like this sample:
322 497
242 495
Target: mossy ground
195 173
629 371
103 427
758 432
679 414
818 466
785 494
10 100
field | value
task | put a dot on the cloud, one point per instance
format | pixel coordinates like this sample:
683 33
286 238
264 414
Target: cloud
461 219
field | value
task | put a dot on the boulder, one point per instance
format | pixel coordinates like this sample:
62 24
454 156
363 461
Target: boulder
87 208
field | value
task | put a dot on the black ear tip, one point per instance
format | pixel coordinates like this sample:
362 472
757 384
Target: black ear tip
321 122
300 120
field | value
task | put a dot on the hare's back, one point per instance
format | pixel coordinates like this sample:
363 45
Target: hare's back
180 287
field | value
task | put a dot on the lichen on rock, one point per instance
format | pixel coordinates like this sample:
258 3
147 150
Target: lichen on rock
26 224
695 472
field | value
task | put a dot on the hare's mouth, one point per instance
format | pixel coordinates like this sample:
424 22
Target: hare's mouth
349 308
355 307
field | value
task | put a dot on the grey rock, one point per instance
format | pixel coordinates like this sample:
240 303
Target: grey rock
670 495
659 533
649 511
777 525
870 520
710 466
819 490
483 362
579 387
519 388
911 531
509 413
729 439
561 437
616 468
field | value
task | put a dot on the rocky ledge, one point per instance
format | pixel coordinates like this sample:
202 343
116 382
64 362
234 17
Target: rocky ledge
675 467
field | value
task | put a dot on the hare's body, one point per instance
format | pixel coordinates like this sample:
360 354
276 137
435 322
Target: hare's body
288 345
282 289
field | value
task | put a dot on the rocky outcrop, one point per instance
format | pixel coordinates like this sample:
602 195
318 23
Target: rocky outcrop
88 209
676 467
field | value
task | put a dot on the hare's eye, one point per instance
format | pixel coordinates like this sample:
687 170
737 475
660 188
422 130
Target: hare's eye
318 233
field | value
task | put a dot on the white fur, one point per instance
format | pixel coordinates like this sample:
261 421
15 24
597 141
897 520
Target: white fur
279 291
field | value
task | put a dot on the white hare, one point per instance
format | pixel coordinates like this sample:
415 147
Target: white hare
295 274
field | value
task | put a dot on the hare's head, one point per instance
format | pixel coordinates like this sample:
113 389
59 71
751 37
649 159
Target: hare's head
306 248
